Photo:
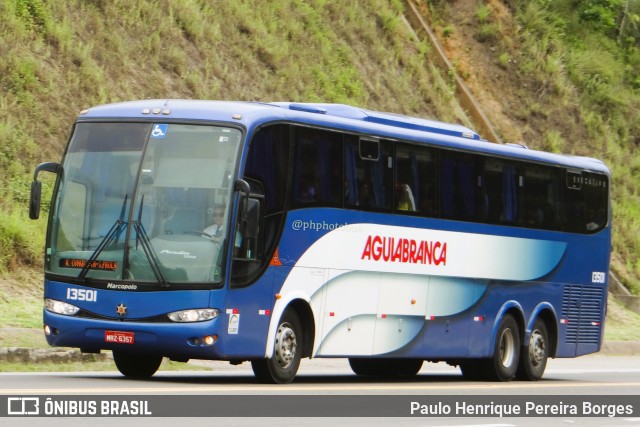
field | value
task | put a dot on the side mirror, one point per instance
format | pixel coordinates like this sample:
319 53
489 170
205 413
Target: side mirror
34 201
249 217
252 218
242 186
36 187
247 260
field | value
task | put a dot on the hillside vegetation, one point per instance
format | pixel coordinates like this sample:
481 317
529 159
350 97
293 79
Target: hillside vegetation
556 75
561 76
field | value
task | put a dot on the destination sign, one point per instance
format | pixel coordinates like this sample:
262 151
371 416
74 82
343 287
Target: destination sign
95 265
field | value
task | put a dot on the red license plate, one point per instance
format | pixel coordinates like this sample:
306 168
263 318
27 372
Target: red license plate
118 337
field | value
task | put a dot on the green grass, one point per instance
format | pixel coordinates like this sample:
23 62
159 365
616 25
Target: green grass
21 301
23 337
621 324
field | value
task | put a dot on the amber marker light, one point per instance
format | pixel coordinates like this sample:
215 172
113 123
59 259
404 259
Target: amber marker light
210 339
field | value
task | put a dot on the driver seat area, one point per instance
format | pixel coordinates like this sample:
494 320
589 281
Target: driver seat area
184 219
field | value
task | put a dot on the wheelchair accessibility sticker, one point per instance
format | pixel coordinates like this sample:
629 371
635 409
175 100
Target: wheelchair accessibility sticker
159 131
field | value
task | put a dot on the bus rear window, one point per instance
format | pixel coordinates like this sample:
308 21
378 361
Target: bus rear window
586 201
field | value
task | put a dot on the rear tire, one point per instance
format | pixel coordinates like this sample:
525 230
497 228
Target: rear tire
136 365
506 353
502 366
533 359
282 366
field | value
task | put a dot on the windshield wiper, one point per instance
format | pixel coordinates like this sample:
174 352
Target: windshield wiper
114 234
144 240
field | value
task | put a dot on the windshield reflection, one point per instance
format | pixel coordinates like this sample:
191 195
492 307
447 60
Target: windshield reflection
180 177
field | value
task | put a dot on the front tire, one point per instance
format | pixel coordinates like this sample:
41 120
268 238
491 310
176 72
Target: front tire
282 366
136 365
533 360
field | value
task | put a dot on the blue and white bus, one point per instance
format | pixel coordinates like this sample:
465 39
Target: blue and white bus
272 232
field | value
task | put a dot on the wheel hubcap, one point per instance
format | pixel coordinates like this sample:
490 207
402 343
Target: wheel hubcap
537 348
286 345
507 348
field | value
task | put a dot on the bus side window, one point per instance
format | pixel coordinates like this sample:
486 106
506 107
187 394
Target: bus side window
416 180
368 174
460 186
267 169
267 163
317 170
502 192
586 196
541 187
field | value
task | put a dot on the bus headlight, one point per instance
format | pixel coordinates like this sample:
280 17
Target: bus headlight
195 315
60 307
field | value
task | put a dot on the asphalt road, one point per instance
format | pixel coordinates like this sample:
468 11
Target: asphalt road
594 379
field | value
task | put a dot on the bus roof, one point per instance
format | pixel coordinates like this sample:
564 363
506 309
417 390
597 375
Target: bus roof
338 116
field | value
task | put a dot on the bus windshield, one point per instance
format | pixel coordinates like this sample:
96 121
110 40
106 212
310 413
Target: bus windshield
144 202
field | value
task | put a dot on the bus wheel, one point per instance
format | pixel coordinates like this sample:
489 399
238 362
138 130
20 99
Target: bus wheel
506 354
533 360
136 365
385 367
282 366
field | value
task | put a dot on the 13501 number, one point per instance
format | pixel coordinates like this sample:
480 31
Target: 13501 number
82 294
